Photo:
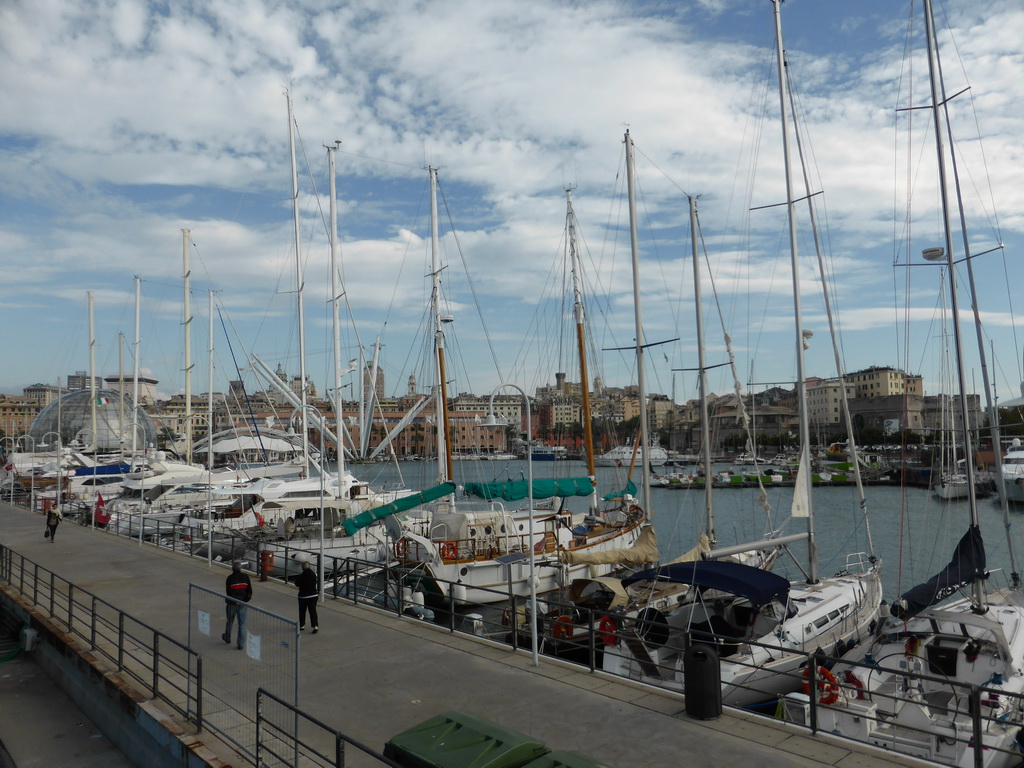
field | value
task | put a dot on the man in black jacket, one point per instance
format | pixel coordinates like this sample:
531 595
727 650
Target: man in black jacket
309 593
239 592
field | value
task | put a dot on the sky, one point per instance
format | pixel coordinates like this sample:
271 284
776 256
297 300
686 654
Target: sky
127 121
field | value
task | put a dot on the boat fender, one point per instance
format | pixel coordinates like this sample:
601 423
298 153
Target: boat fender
459 594
606 629
562 629
828 686
851 679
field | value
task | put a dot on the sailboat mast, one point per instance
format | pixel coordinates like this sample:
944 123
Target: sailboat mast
580 317
702 377
92 382
335 293
298 286
804 475
638 319
187 312
935 75
444 453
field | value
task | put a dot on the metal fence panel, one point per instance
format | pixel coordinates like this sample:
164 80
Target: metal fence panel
268 659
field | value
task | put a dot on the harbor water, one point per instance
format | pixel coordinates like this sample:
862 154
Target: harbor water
912 531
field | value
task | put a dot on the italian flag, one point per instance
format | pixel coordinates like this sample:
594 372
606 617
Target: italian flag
102 400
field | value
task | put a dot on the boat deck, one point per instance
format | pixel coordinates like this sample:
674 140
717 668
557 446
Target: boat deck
373 675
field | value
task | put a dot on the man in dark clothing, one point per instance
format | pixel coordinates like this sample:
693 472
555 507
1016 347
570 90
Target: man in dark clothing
239 592
309 593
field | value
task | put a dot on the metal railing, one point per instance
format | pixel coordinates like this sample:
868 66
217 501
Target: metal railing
585 636
163 668
280 745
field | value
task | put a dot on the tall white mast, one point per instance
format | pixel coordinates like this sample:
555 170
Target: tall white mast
580 318
444 455
335 294
186 276
92 374
209 440
702 377
135 370
645 459
938 99
299 284
804 475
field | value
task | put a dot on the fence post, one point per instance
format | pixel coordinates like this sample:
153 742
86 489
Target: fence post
591 640
156 663
120 640
259 724
71 607
975 708
199 693
92 626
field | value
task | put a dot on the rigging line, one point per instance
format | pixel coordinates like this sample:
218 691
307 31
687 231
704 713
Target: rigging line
252 414
472 287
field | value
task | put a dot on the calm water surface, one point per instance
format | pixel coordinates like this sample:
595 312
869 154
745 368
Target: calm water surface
912 531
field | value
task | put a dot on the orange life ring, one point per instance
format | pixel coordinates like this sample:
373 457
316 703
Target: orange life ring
562 628
828 686
448 550
72 496
606 630
401 548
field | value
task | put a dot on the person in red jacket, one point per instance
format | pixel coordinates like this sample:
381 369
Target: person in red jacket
239 592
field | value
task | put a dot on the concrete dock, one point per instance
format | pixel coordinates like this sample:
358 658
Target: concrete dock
372 675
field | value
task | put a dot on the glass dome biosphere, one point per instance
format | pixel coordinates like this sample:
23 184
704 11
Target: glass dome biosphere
71 418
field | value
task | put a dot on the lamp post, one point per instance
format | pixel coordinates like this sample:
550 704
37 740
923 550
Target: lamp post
492 421
32 476
14 444
60 466
320 564
209 479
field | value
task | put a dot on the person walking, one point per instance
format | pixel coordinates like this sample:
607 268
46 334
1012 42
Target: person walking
239 592
53 518
309 594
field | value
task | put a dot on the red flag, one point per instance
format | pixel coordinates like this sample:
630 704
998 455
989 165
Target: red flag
101 514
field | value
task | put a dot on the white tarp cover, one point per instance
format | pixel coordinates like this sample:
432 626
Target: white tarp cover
249 443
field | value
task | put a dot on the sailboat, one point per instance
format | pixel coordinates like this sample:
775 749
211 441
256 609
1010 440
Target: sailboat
943 678
479 546
762 626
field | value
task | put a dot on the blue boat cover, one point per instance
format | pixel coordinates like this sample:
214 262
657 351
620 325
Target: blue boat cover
968 563
102 469
758 586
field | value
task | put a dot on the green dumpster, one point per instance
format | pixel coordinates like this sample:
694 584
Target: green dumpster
459 740
562 759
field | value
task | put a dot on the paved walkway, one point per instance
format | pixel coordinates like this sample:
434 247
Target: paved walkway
372 675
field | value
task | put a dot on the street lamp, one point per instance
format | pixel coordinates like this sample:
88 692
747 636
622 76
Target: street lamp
12 473
60 465
32 475
491 421
320 464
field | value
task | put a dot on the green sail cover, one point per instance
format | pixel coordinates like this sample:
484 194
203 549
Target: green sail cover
363 519
514 490
629 490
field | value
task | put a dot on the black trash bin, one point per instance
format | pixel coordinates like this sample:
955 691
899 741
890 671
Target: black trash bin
702 682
